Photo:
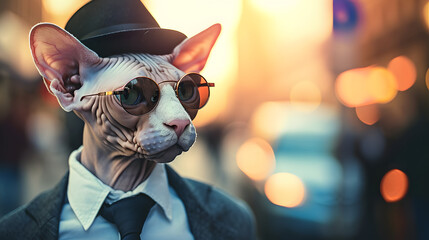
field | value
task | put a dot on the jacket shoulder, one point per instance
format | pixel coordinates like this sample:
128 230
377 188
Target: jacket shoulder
224 208
38 219
18 224
217 200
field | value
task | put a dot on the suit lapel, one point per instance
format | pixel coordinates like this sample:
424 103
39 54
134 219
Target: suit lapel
203 223
46 211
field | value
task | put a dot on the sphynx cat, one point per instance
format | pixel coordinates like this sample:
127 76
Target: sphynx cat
122 149
119 148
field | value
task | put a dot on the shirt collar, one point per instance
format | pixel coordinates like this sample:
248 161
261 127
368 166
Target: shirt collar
86 193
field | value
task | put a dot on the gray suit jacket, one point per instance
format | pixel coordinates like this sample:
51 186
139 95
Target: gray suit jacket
211 213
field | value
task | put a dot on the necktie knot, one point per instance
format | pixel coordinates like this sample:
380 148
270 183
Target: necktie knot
128 214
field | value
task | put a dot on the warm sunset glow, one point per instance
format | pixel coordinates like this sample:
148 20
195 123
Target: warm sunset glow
351 88
404 71
274 5
394 185
285 189
256 158
59 7
212 110
299 20
305 92
381 85
59 12
368 114
268 120
193 16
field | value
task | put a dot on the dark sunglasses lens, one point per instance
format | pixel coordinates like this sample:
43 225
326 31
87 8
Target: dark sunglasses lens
193 91
140 96
187 91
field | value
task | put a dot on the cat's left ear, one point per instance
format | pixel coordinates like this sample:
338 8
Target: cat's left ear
192 54
61 60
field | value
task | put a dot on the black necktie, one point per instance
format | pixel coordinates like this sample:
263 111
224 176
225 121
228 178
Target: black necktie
128 214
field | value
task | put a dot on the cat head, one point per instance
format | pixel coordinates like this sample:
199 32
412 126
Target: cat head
72 71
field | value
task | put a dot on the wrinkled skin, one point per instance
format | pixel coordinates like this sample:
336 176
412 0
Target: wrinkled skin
119 148
128 139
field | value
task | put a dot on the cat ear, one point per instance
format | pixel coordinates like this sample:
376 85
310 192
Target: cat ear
60 59
192 54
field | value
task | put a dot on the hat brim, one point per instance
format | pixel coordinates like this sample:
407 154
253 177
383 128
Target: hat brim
156 41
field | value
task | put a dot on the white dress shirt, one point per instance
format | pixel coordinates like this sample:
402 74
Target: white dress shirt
86 194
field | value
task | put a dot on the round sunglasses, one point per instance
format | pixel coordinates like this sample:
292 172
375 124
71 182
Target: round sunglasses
140 95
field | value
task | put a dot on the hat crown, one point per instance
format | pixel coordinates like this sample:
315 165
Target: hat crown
97 15
110 27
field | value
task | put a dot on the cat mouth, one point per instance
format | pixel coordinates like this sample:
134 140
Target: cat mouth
166 155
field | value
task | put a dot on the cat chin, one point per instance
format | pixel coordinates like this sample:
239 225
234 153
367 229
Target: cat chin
166 156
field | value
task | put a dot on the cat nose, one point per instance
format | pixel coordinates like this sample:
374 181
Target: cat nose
178 125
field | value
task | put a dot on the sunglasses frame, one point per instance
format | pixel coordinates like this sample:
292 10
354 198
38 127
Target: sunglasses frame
176 90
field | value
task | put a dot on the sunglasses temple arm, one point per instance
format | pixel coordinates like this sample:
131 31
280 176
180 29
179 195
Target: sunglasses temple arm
103 94
206 84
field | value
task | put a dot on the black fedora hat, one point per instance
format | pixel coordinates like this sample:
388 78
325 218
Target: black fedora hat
110 27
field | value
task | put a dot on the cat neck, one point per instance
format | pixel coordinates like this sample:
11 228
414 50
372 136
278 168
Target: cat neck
118 171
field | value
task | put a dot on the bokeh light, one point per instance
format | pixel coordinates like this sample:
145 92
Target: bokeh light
256 158
394 185
381 85
364 86
404 71
345 15
285 189
368 114
305 92
268 120
351 89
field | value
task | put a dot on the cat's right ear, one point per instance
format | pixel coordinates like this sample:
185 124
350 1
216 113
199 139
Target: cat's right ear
191 55
60 59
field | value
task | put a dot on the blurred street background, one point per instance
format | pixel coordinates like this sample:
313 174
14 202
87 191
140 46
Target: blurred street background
319 119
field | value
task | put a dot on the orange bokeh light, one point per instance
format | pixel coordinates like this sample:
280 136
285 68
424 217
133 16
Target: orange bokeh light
256 158
365 86
285 189
394 185
368 114
404 71
381 85
351 88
